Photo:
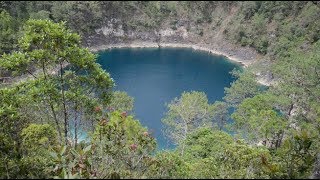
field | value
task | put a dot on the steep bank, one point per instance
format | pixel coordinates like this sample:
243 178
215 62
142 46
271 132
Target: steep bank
112 34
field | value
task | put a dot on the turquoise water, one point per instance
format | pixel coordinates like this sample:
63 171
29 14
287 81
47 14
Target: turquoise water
155 76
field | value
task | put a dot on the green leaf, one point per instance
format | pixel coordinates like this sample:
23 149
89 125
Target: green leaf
63 150
88 148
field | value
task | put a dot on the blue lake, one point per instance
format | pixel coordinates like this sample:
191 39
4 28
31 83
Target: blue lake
155 76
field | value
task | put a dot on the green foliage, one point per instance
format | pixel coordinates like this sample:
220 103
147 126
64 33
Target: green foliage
37 136
82 17
40 15
263 25
298 76
35 113
47 45
186 114
168 164
220 114
121 101
73 162
297 155
60 99
246 86
205 143
15 62
8 35
37 141
214 154
256 119
123 147
249 9
11 124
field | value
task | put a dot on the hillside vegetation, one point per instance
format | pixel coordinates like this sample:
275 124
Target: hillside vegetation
276 129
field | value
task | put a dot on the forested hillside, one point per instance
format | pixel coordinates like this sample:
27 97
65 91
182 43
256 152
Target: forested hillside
44 105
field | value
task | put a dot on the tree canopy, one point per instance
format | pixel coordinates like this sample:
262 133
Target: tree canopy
53 93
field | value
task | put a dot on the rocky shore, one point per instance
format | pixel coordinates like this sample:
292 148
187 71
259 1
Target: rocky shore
243 62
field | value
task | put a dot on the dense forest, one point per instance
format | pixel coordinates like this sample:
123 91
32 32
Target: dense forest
43 104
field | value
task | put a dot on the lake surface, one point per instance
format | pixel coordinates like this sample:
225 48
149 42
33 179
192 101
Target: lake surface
155 76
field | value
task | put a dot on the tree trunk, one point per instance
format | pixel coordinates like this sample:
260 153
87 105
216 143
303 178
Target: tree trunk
185 135
64 107
51 105
56 121
75 128
279 140
7 169
316 168
290 110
